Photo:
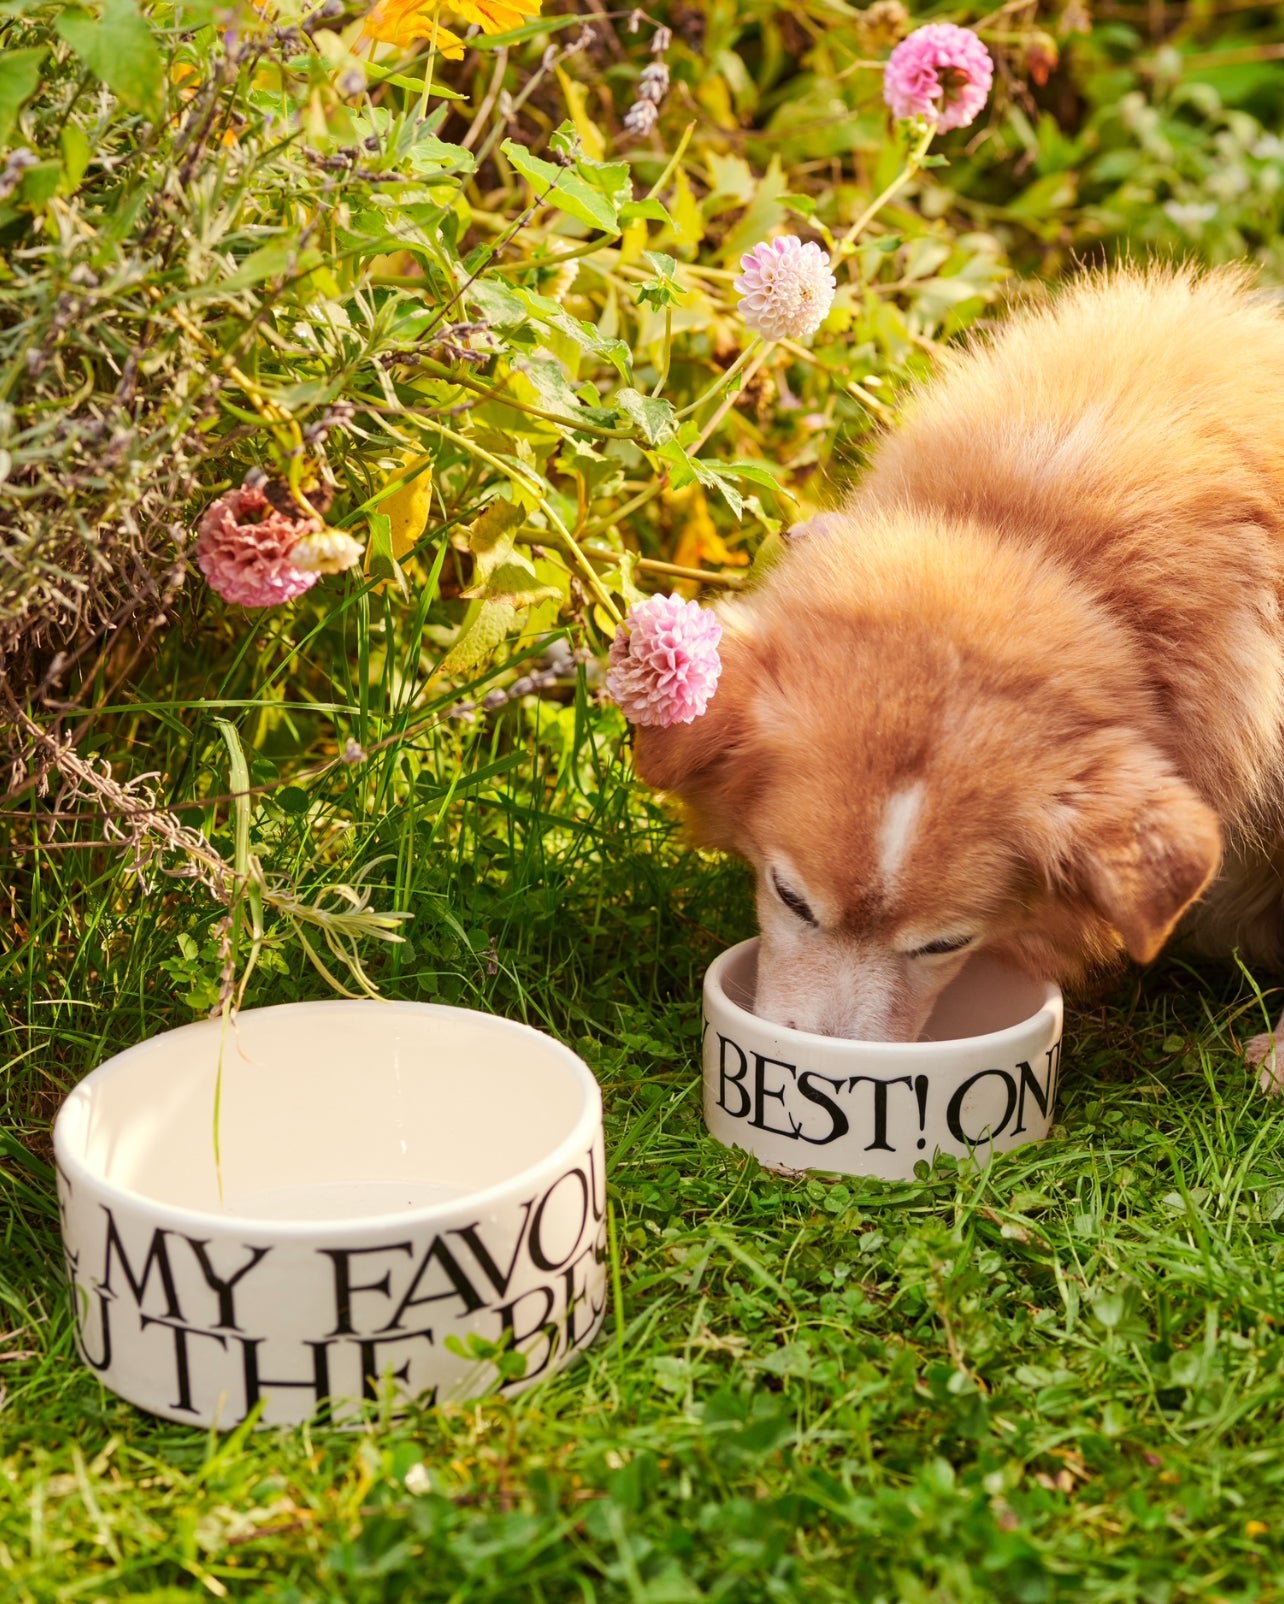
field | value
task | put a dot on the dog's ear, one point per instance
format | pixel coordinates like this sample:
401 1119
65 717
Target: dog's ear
709 763
1137 843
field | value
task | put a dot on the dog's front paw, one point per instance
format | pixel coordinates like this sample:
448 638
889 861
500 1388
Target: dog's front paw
1264 1054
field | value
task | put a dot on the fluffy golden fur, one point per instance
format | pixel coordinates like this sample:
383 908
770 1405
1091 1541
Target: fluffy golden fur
1026 688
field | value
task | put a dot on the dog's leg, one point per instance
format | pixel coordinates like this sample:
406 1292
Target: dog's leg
1266 1054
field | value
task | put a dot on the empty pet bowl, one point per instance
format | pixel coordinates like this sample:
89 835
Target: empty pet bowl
399 1192
983 1077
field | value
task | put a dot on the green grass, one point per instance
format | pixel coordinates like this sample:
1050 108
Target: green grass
1061 1377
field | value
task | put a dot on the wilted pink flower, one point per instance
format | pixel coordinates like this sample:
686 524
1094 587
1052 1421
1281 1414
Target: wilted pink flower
786 288
243 547
664 661
941 72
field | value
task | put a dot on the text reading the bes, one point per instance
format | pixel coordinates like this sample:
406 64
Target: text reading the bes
528 1283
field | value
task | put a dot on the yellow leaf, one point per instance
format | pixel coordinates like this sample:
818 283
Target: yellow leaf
408 508
486 625
576 97
684 209
700 545
633 241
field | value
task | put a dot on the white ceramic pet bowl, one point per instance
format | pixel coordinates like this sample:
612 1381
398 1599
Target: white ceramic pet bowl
983 1077
393 1180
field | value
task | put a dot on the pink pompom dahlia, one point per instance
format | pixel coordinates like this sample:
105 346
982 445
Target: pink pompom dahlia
941 72
243 547
664 661
786 288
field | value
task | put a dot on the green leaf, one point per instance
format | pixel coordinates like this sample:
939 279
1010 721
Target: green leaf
555 316
653 210
381 563
514 582
40 183
565 189
431 155
269 261
497 303
119 48
548 384
653 416
764 214
76 152
501 575
19 80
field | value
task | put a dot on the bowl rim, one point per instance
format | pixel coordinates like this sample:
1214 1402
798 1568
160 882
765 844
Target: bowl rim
582 1133
714 986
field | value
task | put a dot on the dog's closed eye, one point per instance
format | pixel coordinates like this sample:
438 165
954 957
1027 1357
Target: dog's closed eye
938 949
796 904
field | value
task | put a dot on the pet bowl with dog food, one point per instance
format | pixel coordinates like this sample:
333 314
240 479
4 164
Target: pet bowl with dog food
982 1078
323 1202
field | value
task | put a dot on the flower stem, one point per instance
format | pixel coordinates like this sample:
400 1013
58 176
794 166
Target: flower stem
672 164
725 378
760 356
913 163
432 60
668 350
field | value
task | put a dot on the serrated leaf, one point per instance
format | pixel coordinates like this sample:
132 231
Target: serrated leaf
619 581
653 416
545 383
555 316
19 80
486 625
118 47
513 581
491 540
497 303
565 189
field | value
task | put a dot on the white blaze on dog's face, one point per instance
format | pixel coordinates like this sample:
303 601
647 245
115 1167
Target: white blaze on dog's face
864 960
817 974
905 800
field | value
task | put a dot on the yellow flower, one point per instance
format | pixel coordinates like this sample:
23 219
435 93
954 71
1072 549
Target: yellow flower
496 16
401 22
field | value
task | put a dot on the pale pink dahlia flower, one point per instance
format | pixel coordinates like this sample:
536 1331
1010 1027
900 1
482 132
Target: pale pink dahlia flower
941 72
664 661
243 547
786 289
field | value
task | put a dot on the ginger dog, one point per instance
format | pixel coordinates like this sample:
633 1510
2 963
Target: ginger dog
1025 690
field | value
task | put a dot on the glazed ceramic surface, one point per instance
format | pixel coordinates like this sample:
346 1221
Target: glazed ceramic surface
325 1200
983 1077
